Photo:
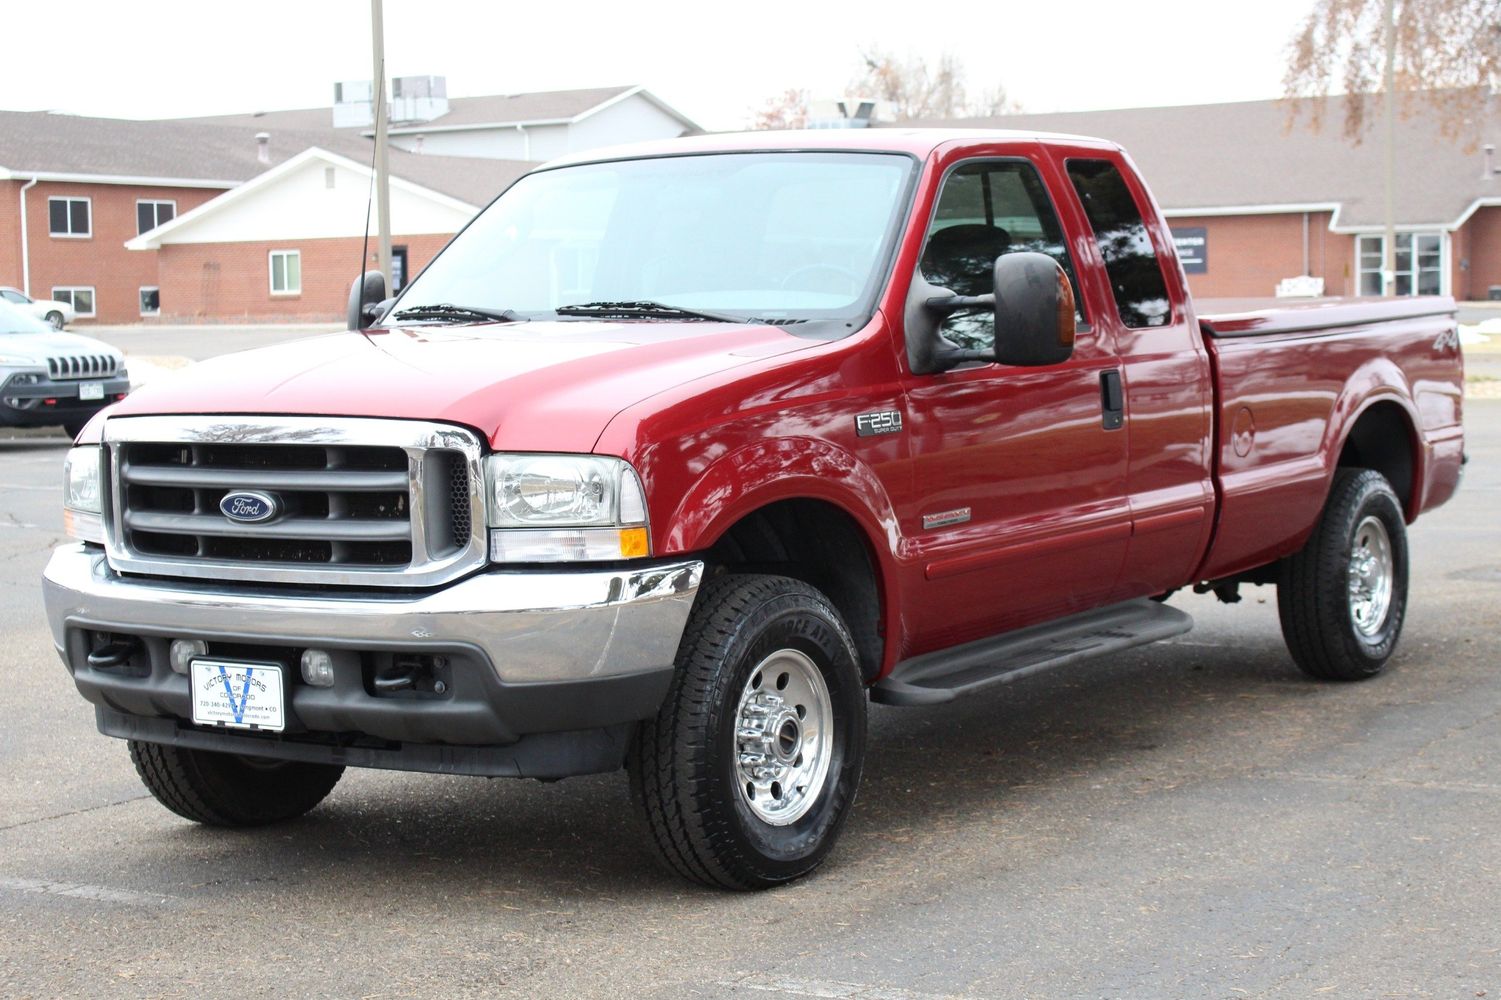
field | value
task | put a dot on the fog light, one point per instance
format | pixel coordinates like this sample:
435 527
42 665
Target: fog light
184 651
318 668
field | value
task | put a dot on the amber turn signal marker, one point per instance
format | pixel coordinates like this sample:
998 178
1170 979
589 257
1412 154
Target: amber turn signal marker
634 543
1065 310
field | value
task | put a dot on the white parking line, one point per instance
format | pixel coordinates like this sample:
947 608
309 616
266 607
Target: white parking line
79 890
829 989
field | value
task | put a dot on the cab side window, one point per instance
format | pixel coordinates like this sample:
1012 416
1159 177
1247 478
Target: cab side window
1121 236
986 209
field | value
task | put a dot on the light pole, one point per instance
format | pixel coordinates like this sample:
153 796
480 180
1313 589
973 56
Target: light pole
1389 256
382 168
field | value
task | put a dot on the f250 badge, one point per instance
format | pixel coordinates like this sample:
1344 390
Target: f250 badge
881 422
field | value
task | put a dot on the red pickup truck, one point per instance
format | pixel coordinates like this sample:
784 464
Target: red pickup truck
679 454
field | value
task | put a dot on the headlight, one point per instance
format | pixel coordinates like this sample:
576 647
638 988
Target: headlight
16 359
82 496
565 508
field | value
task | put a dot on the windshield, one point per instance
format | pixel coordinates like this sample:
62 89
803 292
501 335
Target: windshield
13 320
746 235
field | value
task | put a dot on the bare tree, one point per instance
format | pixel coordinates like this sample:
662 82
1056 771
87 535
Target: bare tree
1446 55
787 110
917 90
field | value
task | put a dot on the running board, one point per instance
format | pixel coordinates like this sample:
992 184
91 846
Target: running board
943 676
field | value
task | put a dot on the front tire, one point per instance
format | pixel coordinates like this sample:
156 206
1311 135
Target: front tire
220 789
55 318
1343 597
748 772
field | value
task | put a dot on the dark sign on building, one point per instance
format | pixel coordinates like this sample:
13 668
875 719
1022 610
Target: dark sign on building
1193 248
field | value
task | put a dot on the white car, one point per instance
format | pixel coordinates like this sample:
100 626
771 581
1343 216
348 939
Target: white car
48 310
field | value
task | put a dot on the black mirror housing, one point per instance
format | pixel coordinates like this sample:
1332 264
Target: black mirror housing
1034 311
366 300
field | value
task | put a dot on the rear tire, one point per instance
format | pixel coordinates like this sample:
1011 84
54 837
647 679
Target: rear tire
748 772
221 789
1343 597
56 319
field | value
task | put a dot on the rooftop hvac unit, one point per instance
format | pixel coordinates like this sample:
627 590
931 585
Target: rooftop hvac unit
413 99
418 98
352 104
849 112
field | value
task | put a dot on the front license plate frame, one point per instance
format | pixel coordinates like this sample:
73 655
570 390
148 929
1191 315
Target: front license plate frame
90 390
238 694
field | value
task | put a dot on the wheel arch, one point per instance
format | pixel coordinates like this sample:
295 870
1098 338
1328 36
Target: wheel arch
1382 435
820 529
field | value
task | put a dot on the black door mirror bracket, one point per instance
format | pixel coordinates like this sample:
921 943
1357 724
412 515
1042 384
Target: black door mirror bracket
367 300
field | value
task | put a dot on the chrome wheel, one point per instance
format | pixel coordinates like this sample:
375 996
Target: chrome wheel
784 736
1370 577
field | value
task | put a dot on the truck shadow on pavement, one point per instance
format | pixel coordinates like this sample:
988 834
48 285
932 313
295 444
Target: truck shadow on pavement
1037 752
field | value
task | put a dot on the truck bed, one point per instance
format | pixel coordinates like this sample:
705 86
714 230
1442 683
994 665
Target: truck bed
1291 381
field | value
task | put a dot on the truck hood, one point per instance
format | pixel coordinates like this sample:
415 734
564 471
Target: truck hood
530 386
41 346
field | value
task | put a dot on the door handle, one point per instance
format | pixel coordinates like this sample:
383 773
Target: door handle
1112 400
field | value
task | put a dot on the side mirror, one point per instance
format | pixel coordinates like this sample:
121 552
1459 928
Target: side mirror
1034 311
1034 317
366 297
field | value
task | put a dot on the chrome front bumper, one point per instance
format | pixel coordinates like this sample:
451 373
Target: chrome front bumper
533 627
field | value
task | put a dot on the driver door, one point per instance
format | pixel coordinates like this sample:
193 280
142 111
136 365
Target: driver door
1018 512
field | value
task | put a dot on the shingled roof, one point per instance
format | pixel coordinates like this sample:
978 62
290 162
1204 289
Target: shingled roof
463 112
39 142
1244 156
193 154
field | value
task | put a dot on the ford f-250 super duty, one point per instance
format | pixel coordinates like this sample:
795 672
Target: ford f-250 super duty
678 454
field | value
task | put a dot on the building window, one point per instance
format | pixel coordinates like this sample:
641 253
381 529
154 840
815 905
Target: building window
1420 263
69 217
286 272
150 214
151 301
80 298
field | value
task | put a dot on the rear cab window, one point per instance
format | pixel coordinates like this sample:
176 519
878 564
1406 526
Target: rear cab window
989 208
1125 247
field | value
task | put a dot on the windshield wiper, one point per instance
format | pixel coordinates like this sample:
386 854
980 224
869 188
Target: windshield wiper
447 310
642 310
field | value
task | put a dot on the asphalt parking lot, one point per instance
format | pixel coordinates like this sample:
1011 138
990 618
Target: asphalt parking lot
1193 819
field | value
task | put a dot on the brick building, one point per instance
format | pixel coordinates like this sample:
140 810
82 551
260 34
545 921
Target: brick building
287 245
208 240
1253 201
73 190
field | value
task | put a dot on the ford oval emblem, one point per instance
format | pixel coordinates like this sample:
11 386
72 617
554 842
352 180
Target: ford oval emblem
249 506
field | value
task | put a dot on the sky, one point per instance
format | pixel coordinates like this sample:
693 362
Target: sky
715 62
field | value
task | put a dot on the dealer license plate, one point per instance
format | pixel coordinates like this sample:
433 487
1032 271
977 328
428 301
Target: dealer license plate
91 390
238 694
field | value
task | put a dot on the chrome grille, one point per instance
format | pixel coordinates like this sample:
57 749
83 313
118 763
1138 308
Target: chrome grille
358 502
82 366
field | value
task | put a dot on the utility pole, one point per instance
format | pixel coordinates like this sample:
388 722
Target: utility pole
382 167
1389 257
